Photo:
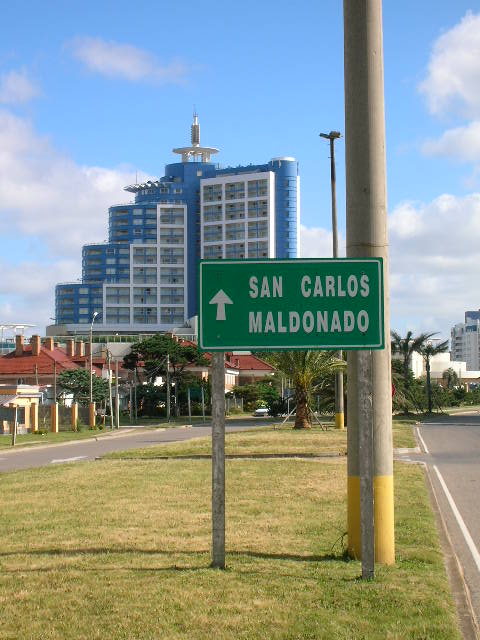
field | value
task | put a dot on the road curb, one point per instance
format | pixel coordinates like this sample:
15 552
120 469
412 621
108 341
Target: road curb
467 620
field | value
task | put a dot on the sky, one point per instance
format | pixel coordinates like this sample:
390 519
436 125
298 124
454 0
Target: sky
93 94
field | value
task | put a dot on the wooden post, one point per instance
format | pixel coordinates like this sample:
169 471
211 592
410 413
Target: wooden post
91 415
74 416
54 418
34 417
218 460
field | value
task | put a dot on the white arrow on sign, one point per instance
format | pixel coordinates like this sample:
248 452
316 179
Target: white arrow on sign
220 299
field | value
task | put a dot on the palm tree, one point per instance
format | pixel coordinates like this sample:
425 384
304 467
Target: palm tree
429 350
450 378
309 371
406 347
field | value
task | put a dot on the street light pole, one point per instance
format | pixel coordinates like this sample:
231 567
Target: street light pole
91 360
339 408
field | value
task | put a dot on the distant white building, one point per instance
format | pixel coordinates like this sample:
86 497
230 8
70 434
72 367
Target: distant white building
465 341
439 364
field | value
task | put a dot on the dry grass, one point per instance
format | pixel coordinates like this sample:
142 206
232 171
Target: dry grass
121 550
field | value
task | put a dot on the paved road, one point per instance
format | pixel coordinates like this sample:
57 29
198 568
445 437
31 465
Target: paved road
83 450
451 449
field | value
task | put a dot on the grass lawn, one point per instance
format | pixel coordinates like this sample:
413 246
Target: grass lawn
120 549
269 440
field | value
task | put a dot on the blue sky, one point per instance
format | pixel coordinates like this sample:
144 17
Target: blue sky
90 93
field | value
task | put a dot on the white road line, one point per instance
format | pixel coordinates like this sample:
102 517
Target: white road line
422 441
461 523
67 460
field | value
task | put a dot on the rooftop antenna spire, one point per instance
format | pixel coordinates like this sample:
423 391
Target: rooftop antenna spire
195 129
195 152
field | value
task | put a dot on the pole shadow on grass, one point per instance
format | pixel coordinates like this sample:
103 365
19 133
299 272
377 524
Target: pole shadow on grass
108 551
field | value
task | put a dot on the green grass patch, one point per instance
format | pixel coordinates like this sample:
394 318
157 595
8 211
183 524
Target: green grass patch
267 440
121 550
31 439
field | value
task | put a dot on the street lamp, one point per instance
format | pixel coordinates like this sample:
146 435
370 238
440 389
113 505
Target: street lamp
331 137
91 364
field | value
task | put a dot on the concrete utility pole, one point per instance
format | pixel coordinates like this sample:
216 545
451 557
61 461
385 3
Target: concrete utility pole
339 410
367 235
218 459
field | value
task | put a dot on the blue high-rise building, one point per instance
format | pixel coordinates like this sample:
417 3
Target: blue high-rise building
144 278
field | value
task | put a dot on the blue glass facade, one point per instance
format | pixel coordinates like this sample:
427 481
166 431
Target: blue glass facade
169 246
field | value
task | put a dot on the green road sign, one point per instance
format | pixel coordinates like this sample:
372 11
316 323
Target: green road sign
291 304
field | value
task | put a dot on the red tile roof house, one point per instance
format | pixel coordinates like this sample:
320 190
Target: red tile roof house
251 368
37 364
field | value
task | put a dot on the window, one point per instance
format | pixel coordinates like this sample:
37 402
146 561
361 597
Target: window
172 215
234 190
145 315
171 295
235 231
235 211
213 252
144 274
257 188
117 295
212 192
235 251
144 255
171 315
171 236
213 233
258 249
145 295
257 208
171 276
257 229
118 315
170 255
212 213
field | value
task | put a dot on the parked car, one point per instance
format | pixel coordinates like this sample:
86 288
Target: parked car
262 411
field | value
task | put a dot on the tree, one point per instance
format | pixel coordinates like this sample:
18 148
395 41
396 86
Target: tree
450 378
77 382
429 350
262 393
152 353
406 347
310 371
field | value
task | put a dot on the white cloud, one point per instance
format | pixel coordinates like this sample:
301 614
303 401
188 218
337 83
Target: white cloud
460 143
316 242
126 61
434 258
44 193
46 198
16 88
452 84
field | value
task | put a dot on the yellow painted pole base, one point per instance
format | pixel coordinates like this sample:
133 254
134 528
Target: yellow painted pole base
383 516
339 420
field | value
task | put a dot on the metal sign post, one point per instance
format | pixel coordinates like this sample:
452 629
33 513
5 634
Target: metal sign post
218 460
365 447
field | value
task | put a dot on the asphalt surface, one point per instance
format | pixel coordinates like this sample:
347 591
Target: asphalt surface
122 440
450 447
